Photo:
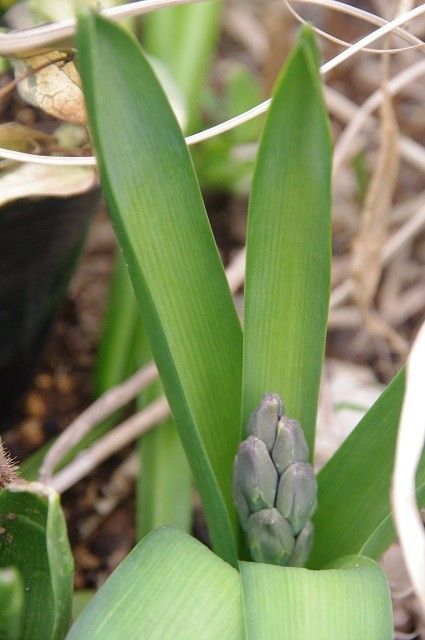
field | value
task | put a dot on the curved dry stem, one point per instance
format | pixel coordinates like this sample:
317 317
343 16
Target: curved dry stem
394 244
395 85
96 412
410 442
358 13
112 442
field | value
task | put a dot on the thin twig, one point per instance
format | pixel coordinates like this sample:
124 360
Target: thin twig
398 240
365 15
98 411
343 108
362 114
112 442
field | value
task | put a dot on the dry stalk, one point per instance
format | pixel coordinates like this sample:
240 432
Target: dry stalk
410 442
109 444
102 408
361 115
358 13
366 264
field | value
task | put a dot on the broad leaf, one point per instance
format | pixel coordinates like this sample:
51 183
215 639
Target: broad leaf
349 601
289 246
33 539
170 586
184 38
163 230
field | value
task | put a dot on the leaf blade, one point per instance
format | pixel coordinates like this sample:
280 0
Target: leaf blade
32 513
170 586
288 246
361 493
347 602
161 223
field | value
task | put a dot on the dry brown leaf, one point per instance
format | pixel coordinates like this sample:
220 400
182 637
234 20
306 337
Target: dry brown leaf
18 137
366 261
49 80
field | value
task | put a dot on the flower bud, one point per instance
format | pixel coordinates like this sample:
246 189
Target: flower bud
296 494
255 477
303 546
290 445
263 421
270 537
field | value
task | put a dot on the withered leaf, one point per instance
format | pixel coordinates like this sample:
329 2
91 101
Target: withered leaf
19 137
50 81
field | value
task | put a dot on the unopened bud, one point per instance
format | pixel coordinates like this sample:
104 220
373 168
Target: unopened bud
303 546
270 537
296 494
255 477
263 421
290 445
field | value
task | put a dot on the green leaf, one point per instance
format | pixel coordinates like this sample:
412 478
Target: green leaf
184 38
11 601
289 246
354 509
164 483
115 355
350 601
33 539
163 230
170 586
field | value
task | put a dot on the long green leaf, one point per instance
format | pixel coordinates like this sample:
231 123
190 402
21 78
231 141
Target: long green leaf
184 38
350 601
164 484
289 246
354 486
169 587
115 354
33 539
162 227
11 601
